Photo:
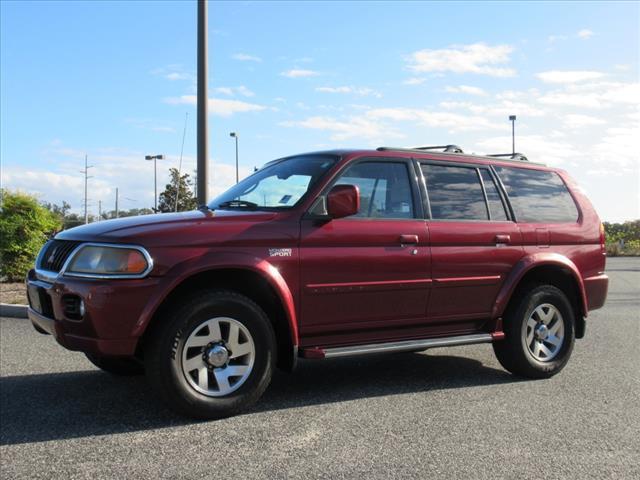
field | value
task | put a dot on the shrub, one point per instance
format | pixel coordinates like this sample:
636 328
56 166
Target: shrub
25 226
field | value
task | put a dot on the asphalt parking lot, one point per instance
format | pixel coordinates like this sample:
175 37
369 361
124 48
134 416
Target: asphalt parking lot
447 413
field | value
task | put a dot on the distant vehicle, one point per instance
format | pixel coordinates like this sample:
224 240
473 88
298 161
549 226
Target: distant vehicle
326 255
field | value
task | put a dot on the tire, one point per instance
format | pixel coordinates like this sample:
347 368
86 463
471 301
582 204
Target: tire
124 367
190 360
530 349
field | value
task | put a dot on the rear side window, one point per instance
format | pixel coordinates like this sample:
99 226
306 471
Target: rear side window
537 195
455 193
496 207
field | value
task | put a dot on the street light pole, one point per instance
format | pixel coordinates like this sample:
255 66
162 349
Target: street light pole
203 132
155 178
513 133
235 135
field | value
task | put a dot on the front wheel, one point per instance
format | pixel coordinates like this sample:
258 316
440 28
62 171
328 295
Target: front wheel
213 355
539 333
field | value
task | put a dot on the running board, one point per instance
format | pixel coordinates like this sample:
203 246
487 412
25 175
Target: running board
405 346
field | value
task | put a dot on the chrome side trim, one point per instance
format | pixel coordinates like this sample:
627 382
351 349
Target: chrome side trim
408 345
51 277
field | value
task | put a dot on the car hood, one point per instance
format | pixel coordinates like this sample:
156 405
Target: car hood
167 228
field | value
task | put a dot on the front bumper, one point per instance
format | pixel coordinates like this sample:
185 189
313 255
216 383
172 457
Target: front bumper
95 346
112 312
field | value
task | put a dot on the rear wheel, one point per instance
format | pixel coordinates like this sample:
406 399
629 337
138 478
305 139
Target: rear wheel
539 333
124 367
213 355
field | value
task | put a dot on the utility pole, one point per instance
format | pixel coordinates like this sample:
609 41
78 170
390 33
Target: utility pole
86 178
203 129
99 210
117 202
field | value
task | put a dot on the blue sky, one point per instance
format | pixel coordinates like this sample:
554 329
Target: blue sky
114 80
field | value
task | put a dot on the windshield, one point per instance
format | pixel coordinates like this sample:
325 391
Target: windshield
280 184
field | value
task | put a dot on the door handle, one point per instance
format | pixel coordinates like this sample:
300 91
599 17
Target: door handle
503 239
408 239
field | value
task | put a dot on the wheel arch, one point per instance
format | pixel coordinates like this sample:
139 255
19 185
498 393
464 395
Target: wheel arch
262 284
552 269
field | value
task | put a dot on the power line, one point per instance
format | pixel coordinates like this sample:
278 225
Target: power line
184 134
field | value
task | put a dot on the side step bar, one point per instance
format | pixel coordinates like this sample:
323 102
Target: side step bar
404 346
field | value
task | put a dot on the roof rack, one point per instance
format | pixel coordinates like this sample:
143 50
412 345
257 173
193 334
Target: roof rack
444 148
511 156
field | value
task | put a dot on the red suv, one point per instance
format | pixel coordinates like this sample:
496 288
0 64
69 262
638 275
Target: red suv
327 255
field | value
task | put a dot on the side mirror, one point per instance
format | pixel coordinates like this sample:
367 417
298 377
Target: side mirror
343 201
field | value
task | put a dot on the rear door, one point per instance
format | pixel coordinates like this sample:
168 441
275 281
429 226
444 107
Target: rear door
366 276
474 243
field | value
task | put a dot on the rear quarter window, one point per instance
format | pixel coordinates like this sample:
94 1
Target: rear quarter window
538 196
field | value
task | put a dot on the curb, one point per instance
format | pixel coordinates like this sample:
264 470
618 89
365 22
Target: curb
15 311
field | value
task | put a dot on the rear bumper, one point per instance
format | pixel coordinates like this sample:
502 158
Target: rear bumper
596 289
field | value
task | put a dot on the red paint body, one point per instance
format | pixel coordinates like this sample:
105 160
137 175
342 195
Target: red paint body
348 280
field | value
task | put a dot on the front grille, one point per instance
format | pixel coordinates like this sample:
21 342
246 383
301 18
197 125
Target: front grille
55 254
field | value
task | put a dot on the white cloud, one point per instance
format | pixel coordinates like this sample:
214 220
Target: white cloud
241 90
594 95
619 148
173 72
537 148
360 91
454 122
414 81
500 108
569 76
113 168
353 127
585 34
218 106
476 58
299 73
574 120
469 90
177 76
244 57
556 38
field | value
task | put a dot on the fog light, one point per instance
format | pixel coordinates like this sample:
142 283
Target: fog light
73 307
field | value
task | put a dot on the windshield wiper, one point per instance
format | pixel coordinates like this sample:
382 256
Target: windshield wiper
238 204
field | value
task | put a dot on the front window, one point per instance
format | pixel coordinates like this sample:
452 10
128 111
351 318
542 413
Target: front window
279 185
385 189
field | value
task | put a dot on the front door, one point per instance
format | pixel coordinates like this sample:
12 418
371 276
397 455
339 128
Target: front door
474 244
366 276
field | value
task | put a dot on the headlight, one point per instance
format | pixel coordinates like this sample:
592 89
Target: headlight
109 261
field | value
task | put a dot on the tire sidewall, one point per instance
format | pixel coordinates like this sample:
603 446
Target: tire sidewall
184 322
551 295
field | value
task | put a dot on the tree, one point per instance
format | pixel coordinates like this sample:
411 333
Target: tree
25 226
186 200
133 212
60 211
